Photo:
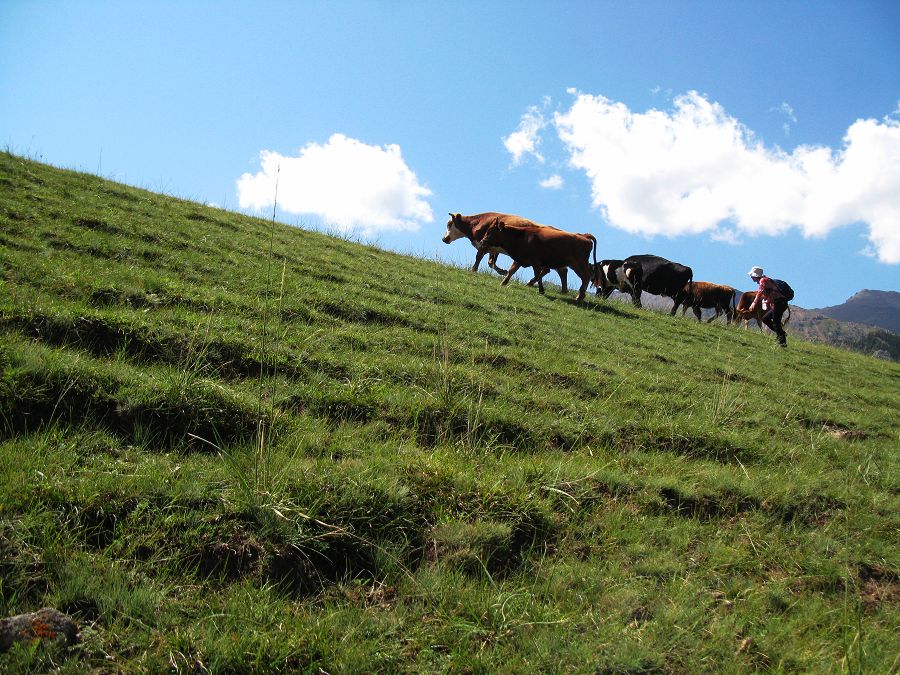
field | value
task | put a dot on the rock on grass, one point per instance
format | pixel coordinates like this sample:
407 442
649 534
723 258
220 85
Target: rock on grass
45 625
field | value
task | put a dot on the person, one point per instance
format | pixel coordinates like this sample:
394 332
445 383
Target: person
775 306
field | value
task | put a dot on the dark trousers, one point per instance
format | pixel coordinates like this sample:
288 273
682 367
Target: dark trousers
772 318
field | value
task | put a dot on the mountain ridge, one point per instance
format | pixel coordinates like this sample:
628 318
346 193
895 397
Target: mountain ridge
870 307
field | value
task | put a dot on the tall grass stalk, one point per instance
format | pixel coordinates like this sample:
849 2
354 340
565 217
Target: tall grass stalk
261 469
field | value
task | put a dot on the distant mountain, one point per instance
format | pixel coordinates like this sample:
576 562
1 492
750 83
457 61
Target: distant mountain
874 308
812 325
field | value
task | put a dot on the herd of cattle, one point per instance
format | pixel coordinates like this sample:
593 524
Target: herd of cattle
545 248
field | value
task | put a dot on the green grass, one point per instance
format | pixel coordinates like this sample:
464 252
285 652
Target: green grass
365 462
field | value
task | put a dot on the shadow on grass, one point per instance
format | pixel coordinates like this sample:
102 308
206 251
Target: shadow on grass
595 306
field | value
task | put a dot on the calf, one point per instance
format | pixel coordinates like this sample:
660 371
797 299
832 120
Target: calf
742 311
542 248
700 295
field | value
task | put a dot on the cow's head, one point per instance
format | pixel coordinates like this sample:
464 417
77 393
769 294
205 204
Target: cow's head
493 235
453 232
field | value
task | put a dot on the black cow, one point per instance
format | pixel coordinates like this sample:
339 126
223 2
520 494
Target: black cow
657 276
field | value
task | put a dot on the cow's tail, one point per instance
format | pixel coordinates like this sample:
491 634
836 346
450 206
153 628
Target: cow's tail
596 272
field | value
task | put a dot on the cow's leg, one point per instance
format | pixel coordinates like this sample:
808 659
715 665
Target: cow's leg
608 292
512 270
633 276
563 273
697 312
478 256
584 272
717 315
492 263
539 273
676 301
582 290
636 295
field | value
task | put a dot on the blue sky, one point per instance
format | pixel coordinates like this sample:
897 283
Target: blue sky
718 134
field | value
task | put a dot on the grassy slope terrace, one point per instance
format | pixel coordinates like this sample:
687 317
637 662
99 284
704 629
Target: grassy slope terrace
389 464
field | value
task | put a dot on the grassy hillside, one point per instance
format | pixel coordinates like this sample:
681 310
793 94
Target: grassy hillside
230 446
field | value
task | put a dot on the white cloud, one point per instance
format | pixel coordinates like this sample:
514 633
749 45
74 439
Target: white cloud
525 140
695 168
788 111
726 235
554 182
349 184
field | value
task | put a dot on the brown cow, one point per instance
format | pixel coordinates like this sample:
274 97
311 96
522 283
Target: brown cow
701 295
742 311
473 229
544 247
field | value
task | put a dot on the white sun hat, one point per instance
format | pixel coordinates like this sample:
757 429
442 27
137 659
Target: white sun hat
756 272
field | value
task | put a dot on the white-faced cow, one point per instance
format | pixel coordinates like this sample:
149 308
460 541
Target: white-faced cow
473 229
610 275
700 295
657 276
542 248
742 311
